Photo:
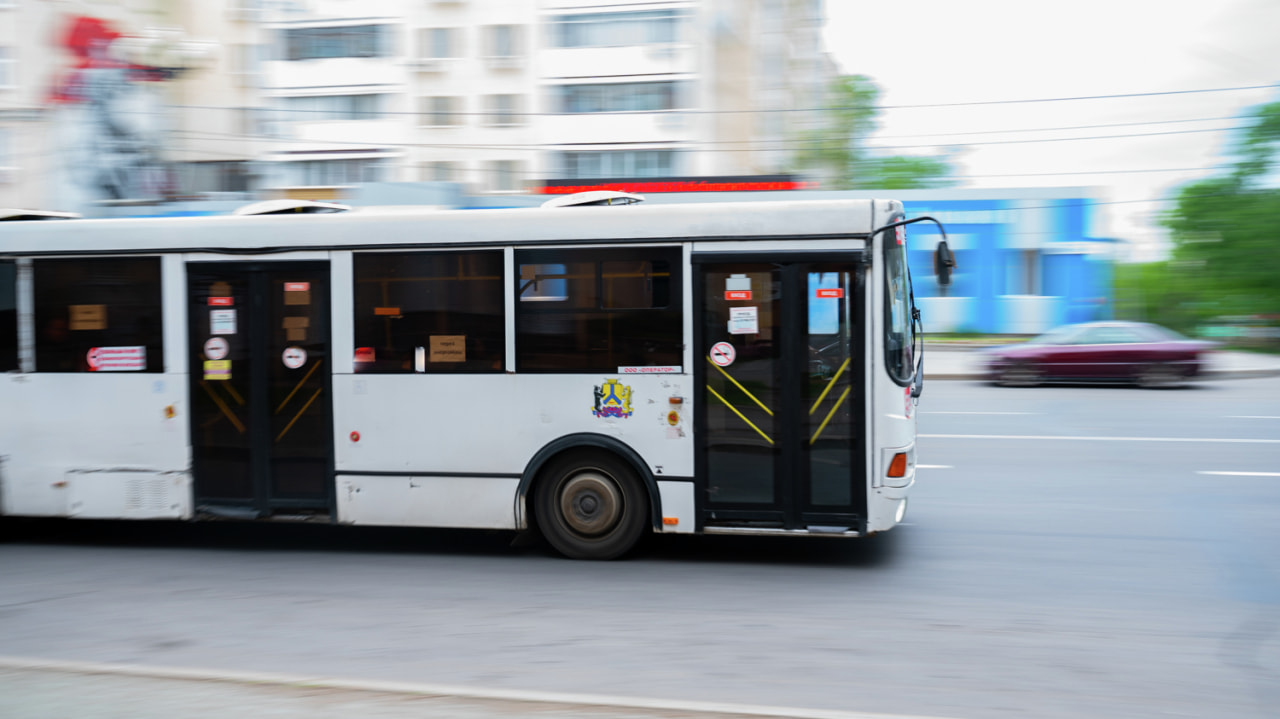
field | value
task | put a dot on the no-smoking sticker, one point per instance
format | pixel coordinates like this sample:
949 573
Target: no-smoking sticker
216 348
723 354
294 357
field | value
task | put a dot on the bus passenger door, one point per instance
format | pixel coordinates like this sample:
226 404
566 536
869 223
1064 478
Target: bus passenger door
259 387
781 417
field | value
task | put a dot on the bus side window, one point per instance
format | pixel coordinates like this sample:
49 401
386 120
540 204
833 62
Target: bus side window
598 310
98 314
429 312
8 315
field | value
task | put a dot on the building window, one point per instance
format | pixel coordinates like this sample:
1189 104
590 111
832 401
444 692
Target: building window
439 42
318 108
8 68
330 42
503 41
7 163
245 59
429 312
218 176
440 111
8 315
504 176
98 315
598 310
503 110
329 173
616 29
1023 273
618 163
620 97
440 171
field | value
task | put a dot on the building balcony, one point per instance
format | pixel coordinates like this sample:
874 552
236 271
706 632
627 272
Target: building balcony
333 72
505 62
619 127
432 64
670 58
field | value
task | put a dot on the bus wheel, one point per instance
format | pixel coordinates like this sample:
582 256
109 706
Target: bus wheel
590 505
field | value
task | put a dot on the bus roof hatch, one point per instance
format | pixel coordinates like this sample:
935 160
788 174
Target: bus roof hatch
290 207
594 197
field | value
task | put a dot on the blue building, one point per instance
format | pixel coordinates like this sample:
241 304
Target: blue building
1027 259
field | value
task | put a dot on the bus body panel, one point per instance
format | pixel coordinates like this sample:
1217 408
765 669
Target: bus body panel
473 502
58 424
495 423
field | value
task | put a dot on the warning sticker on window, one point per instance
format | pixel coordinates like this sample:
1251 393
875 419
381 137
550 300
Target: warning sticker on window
117 359
744 320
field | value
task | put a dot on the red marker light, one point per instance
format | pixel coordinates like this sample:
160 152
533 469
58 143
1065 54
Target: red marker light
355 436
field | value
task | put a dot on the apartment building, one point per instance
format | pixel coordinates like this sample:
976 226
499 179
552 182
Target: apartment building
502 94
138 102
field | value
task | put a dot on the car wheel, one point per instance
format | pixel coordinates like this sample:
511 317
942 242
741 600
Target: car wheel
590 505
1159 375
1020 374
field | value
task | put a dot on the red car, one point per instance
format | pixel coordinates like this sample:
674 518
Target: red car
1137 352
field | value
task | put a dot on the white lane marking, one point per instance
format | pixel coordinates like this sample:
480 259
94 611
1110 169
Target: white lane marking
1242 474
1103 439
303 681
1252 416
1005 413
934 466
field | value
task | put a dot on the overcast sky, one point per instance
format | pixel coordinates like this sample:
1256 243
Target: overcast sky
944 51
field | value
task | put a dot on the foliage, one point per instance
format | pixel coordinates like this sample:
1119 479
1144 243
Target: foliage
840 147
1225 232
1158 292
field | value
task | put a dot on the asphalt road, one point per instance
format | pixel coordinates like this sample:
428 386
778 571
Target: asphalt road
1069 552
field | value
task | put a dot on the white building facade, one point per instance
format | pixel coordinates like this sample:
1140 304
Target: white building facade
502 94
308 98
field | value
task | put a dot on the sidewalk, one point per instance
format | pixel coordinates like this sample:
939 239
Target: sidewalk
39 689
951 362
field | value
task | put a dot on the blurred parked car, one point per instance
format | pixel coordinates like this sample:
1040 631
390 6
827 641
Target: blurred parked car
1145 354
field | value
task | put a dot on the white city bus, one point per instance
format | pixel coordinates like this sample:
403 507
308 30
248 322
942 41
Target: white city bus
595 372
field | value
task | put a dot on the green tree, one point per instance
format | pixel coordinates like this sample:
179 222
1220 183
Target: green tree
1226 230
840 148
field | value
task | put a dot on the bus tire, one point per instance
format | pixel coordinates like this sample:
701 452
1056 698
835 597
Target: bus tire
590 505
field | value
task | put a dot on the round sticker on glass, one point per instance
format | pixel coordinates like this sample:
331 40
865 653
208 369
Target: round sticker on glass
216 348
294 357
722 354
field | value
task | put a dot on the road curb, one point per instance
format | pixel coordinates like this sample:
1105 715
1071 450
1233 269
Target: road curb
303 681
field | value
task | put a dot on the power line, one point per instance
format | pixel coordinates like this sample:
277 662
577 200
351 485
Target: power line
1064 128
975 103
1080 97
708 145
1055 139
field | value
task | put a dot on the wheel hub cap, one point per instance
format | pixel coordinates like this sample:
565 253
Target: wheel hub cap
590 503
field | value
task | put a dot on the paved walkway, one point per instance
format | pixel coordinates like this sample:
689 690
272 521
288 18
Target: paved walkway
948 362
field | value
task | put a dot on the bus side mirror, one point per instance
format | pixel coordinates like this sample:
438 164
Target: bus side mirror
944 263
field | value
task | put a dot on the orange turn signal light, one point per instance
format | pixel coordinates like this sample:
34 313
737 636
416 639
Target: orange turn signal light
898 467
670 521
